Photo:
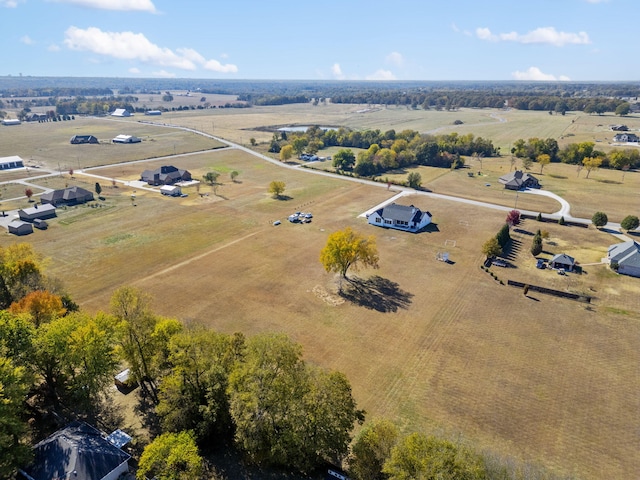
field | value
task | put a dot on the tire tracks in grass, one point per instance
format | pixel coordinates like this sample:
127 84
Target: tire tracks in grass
442 324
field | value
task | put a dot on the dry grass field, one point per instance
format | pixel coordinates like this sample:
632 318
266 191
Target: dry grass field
435 346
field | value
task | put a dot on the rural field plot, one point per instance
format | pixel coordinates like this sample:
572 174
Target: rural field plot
47 144
432 345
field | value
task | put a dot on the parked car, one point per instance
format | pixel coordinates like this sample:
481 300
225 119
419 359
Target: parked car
500 263
540 264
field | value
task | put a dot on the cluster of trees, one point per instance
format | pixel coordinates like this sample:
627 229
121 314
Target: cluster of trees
628 223
584 154
204 387
494 246
384 150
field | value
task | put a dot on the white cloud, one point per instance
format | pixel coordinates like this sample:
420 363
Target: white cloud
136 47
543 35
381 75
134 70
123 5
26 39
535 74
53 48
395 58
336 71
596 1
10 3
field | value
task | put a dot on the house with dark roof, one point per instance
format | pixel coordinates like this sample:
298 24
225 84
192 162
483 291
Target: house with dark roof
67 196
36 212
80 139
564 261
165 175
626 256
78 451
518 180
626 138
400 217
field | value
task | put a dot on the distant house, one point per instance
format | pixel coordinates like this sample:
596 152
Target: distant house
18 227
400 217
619 128
11 121
121 112
41 212
165 175
153 112
627 256
78 451
7 163
67 196
79 139
563 261
518 180
126 139
626 138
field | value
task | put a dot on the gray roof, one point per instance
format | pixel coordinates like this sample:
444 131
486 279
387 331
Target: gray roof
404 213
626 253
79 448
517 178
563 259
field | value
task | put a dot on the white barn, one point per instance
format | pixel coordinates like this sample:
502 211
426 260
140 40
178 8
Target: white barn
126 139
400 217
7 163
171 190
121 112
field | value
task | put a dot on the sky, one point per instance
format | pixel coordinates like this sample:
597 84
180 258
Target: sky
547 40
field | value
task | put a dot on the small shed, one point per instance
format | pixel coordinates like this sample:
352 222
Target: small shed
171 190
18 227
562 260
40 224
153 112
123 379
11 121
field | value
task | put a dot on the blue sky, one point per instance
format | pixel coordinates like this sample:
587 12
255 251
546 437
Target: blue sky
577 40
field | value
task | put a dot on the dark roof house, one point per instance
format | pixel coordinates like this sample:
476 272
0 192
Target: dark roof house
165 175
78 451
626 138
562 260
518 180
400 217
79 139
627 256
67 196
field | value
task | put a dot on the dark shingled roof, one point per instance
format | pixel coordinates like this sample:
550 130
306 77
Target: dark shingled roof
79 448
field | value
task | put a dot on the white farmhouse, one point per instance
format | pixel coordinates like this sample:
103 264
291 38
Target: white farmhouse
400 217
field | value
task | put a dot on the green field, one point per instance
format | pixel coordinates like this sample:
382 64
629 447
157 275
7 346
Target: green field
447 348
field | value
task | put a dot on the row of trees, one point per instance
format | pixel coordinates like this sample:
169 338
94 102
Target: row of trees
547 150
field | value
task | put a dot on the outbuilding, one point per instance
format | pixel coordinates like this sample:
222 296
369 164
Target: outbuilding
18 227
11 121
80 139
153 112
121 112
7 163
171 190
126 139
41 212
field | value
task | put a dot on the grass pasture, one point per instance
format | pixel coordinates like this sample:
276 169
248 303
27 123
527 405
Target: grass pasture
445 348
434 346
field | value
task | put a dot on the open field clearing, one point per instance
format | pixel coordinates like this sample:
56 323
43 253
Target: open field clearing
434 346
47 144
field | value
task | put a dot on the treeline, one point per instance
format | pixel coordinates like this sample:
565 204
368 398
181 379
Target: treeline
262 100
386 150
583 153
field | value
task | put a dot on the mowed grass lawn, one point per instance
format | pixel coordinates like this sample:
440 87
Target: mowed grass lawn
444 347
